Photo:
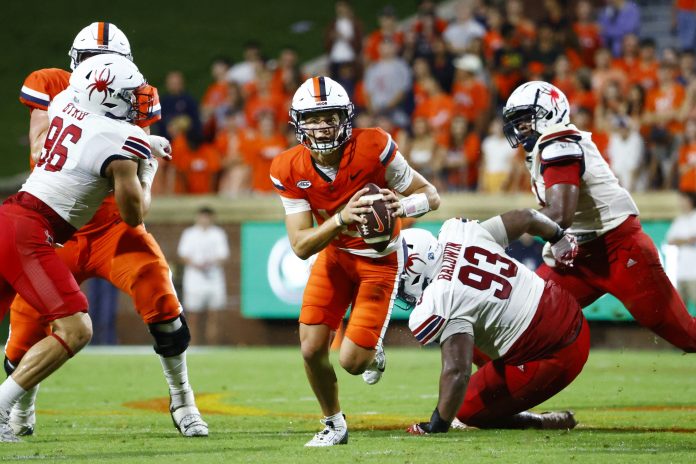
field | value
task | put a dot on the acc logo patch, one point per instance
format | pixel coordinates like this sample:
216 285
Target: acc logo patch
304 184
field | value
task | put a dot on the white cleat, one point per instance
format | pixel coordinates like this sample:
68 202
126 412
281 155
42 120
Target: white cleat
374 371
22 422
6 433
330 436
458 425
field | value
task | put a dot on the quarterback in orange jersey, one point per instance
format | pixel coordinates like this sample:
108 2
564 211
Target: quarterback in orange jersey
323 179
106 247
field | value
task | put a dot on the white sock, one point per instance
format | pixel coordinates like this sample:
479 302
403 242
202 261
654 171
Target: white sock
27 401
338 420
10 392
176 373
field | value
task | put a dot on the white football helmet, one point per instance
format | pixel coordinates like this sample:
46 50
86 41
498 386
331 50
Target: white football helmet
531 109
112 86
421 264
321 94
99 38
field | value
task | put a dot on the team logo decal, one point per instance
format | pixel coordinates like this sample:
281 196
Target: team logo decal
101 83
304 184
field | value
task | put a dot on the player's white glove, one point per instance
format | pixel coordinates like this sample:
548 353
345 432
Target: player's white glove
562 252
147 168
160 147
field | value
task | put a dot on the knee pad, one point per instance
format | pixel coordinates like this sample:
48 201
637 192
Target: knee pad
171 337
9 367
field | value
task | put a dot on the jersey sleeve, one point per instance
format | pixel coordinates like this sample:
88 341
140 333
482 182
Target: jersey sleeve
399 174
126 144
385 145
41 86
566 172
294 198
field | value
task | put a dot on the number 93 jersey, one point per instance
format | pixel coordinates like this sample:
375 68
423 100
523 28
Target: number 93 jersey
477 289
70 176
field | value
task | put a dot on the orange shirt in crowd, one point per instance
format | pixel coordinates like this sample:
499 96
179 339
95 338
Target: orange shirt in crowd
601 139
687 167
437 109
419 94
567 86
197 167
644 74
665 101
259 151
470 98
471 152
689 5
215 95
589 40
275 103
492 41
373 40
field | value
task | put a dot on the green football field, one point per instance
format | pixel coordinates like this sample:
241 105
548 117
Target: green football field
110 406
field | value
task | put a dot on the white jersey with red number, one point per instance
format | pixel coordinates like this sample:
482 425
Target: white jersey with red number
478 290
603 204
70 176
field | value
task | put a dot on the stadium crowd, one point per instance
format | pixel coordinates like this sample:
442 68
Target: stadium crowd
437 85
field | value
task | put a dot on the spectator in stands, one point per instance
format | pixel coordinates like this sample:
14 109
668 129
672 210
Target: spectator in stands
343 38
263 99
197 160
427 11
630 51
204 249
586 31
460 33
103 306
663 112
388 32
286 75
234 179
556 19
177 102
245 71
645 71
687 66
493 38
518 22
259 152
441 64
507 66
422 154
469 92
419 40
437 108
618 18
544 50
684 23
498 159
387 82
215 99
687 159
527 250
605 73
635 105
682 234
462 153
421 72
563 77
625 152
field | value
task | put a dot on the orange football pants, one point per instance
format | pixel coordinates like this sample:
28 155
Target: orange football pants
369 285
128 257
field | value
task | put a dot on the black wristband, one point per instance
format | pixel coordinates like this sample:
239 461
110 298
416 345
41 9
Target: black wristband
437 423
560 233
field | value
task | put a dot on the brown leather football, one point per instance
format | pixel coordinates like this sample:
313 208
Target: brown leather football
380 225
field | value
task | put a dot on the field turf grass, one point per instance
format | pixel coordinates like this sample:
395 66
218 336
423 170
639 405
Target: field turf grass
109 407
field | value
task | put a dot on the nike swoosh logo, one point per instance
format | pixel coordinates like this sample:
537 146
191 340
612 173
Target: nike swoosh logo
380 225
353 176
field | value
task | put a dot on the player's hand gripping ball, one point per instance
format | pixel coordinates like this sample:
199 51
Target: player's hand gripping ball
377 231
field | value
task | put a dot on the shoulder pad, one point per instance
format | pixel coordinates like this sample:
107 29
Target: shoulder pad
562 149
562 133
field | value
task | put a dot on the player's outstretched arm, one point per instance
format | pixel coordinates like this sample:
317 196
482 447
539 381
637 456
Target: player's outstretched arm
307 240
38 129
419 198
561 203
127 190
457 354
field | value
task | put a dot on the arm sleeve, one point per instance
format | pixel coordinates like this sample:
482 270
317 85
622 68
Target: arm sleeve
568 172
34 92
399 174
456 326
496 228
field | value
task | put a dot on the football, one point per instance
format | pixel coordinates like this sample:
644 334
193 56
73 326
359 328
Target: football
378 230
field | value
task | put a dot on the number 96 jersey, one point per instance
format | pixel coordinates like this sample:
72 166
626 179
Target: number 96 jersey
70 176
477 289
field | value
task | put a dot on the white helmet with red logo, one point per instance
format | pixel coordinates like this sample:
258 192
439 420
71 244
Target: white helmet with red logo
316 95
97 38
424 252
112 86
536 102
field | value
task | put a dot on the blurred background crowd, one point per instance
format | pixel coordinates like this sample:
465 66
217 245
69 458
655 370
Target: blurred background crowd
437 83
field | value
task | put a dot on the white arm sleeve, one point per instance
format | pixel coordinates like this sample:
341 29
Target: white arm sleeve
399 174
293 206
496 228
